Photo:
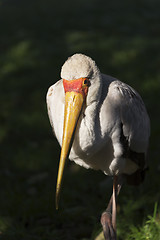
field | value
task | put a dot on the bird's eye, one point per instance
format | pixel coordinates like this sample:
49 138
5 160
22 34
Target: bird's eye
86 82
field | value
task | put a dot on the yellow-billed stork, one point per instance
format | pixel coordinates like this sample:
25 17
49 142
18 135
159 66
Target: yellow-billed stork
100 123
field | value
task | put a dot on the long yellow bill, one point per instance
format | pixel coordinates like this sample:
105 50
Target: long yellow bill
73 106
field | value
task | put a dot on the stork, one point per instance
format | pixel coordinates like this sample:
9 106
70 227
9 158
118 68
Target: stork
100 123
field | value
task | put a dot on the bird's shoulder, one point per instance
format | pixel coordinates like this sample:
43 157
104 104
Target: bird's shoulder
54 89
121 97
129 104
55 92
120 91
54 107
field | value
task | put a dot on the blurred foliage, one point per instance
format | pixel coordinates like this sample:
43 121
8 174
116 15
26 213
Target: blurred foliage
150 230
36 37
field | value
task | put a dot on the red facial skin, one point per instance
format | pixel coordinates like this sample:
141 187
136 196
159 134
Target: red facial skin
76 85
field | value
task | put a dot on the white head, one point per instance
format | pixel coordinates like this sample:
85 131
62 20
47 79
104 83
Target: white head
81 66
77 66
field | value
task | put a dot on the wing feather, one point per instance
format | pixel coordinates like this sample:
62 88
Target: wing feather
133 115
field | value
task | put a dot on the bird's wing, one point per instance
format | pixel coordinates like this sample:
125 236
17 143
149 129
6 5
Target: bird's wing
130 136
134 125
55 107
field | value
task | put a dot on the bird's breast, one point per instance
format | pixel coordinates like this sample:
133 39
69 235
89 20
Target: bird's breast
90 149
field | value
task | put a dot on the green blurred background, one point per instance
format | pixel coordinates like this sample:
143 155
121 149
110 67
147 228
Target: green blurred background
36 37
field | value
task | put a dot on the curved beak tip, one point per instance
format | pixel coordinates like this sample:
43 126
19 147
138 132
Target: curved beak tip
57 197
57 205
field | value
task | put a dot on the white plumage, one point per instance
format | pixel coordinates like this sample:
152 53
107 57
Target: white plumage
110 129
109 105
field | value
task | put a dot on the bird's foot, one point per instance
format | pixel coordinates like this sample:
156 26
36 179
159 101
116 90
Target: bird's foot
108 230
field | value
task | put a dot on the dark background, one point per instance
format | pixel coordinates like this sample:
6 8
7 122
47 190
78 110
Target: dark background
36 37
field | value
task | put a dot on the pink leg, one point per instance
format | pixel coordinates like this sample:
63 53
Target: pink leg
108 218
